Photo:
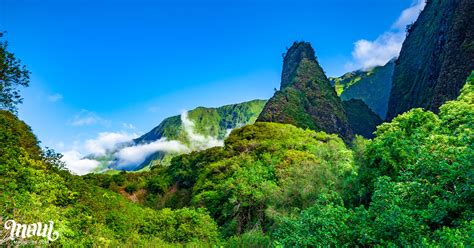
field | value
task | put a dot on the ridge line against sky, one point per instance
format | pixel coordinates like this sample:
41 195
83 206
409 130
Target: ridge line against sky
104 72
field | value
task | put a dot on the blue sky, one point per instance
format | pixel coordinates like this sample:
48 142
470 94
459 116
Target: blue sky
123 66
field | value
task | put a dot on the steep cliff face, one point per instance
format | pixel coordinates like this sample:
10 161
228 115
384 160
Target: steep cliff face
436 58
372 87
306 98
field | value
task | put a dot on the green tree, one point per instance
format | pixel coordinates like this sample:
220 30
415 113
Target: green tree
12 75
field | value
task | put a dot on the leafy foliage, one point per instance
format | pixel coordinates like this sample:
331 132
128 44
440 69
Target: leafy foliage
278 185
259 172
35 190
12 75
272 184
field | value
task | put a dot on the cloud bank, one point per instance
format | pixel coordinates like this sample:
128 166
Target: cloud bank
77 164
135 155
107 141
99 146
367 54
116 143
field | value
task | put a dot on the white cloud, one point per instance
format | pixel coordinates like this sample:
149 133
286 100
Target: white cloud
367 54
107 141
137 154
378 52
55 97
76 164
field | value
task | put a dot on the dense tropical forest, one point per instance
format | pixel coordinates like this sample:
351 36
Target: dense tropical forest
314 166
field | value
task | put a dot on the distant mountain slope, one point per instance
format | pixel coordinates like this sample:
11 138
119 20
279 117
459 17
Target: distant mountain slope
306 98
213 122
348 79
362 119
436 58
373 87
196 129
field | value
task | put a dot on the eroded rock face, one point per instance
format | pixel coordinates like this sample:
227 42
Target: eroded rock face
306 98
436 58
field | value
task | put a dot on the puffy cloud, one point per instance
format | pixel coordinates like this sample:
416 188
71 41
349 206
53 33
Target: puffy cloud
77 164
378 52
88 118
137 154
55 97
107 141
367 54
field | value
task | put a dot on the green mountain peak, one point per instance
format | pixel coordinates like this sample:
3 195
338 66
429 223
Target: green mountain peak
306 98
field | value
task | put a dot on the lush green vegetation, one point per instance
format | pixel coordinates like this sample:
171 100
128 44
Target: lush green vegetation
12 75
270 185
348 79
275 184
34 187
252 180
414 186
